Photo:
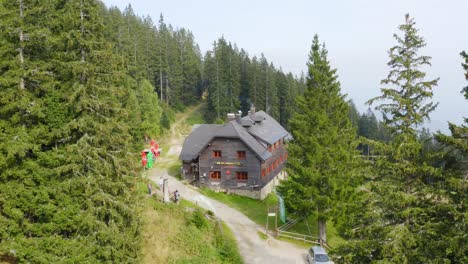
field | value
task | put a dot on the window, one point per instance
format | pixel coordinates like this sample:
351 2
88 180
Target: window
216 153
242 176
274 146
277 163
272 167
269 148
241 154
263 173
215 175
268 169
281 159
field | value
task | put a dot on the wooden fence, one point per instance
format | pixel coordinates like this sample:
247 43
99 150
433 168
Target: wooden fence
281 232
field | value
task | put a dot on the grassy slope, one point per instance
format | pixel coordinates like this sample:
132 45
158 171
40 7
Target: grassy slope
170 233
256 210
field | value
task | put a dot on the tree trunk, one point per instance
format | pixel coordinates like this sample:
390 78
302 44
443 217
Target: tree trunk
21 38
82 31
160 75
322 230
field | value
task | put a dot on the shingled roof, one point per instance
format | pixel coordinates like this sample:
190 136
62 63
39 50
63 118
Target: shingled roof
256 131
266 128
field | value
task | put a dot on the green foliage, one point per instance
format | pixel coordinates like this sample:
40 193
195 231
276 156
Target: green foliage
196 118
405 213
150 112
465 67
226 244
454 187
167 118
235 82
198 219
254 209
262 235
406 91
70 125
171 237
321 164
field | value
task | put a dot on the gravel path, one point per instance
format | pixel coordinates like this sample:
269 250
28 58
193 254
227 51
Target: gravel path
252 248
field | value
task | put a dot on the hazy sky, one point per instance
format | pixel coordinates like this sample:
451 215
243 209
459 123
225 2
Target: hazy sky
357 33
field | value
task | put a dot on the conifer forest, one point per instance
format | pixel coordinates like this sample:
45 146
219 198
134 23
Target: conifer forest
82 85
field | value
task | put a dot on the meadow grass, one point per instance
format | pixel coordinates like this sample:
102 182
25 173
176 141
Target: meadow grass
183 233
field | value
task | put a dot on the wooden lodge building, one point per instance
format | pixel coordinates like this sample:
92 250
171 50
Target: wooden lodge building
244 156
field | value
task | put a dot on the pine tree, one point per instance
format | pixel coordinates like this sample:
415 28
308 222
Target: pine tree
322 154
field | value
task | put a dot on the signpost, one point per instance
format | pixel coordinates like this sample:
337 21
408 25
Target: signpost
274 214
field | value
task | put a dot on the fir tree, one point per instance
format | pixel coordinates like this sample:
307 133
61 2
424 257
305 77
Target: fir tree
399 204
321 159
455 165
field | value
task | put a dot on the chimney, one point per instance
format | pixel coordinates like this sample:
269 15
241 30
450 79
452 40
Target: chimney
252 110
230 117
239 116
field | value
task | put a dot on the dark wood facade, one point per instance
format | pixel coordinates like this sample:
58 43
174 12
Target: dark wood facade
229 164
244 156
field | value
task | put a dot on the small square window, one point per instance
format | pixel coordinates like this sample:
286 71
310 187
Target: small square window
241 154
215 175
242 176
216 153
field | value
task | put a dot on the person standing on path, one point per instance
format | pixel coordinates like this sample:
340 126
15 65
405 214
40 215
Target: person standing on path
176 196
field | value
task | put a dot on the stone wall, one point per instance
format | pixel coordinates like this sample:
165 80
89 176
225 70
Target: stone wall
252 193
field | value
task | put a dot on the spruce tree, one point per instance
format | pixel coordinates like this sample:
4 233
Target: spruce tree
455 165
395 222
322 154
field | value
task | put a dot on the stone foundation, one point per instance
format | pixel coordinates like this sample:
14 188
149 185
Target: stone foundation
251 192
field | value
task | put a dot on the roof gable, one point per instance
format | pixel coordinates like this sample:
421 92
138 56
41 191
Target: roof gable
263 128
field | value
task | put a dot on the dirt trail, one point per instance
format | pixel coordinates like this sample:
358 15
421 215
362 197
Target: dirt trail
252 248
